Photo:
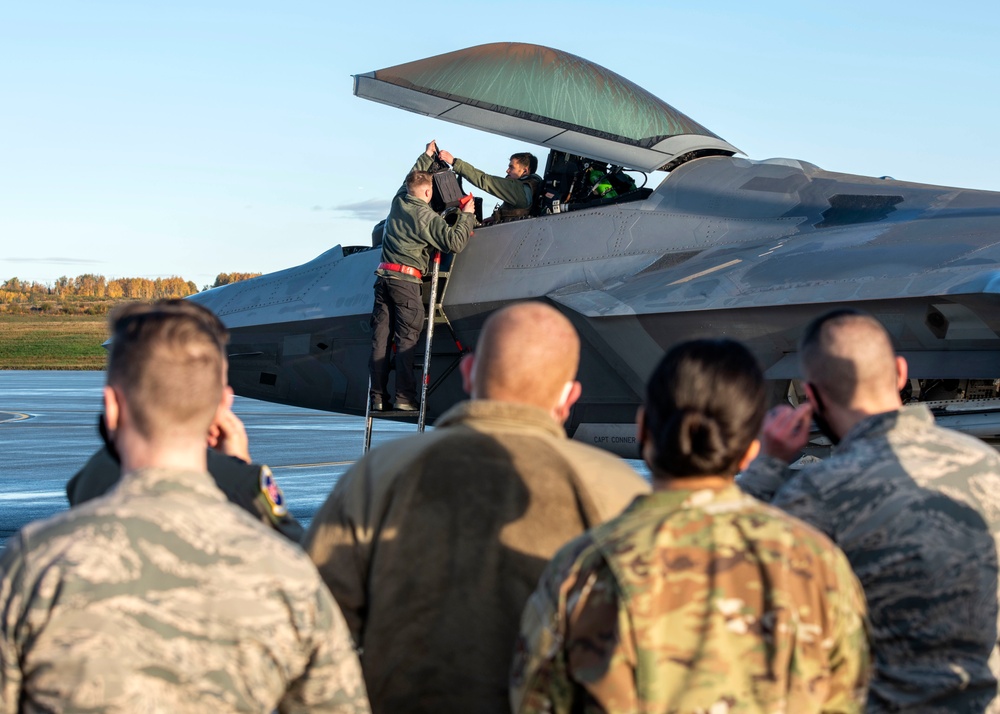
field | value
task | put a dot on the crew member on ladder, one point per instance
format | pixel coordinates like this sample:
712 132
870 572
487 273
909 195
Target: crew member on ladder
412 232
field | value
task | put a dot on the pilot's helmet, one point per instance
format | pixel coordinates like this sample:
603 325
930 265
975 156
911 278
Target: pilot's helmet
601 185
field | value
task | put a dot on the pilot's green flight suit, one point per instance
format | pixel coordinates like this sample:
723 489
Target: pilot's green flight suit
517 194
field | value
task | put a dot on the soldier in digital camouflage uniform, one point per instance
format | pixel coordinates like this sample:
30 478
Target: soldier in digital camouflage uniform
915 507
161 596
698 598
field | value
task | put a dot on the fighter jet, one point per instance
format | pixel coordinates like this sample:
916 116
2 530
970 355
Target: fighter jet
723 246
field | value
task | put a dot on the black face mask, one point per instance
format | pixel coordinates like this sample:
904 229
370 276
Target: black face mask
818 416
102 428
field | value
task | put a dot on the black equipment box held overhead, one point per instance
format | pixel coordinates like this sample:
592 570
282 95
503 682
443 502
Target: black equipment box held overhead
447 190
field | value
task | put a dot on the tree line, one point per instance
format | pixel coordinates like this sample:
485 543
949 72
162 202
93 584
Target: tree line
95 294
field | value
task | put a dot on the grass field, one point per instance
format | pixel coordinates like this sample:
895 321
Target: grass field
52 342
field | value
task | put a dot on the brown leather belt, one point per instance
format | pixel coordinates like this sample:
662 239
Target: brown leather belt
404 269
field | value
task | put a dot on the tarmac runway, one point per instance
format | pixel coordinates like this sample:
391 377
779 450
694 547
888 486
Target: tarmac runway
48 430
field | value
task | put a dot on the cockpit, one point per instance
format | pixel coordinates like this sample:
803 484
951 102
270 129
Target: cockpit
572 182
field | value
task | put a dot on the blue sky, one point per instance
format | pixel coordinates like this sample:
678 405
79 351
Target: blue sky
193 138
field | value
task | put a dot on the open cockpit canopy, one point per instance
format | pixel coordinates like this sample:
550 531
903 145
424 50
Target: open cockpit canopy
545 97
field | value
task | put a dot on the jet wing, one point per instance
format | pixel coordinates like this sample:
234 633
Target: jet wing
545 97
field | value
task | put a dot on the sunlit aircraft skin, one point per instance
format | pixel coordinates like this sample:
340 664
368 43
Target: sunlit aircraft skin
724 246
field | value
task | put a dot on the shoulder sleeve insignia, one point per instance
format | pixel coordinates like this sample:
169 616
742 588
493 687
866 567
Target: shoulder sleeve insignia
272 492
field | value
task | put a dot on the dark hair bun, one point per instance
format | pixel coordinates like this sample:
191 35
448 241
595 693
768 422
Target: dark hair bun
704 406
701 440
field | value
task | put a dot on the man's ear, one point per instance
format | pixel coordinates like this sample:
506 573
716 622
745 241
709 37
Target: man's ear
466 366
570 394
902 373
112 409
225 403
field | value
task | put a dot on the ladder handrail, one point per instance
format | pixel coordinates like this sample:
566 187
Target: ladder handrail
431 314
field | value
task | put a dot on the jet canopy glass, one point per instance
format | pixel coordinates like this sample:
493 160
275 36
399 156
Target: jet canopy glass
546 97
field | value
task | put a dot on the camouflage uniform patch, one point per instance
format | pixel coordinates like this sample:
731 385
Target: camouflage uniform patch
274 497
694 601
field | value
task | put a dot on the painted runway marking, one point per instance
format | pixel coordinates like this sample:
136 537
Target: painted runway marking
309 466
705 272
14 416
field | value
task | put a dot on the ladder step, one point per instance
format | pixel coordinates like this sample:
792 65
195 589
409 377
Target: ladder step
396 414
435 316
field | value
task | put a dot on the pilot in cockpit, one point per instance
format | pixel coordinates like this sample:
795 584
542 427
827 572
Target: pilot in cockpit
518 190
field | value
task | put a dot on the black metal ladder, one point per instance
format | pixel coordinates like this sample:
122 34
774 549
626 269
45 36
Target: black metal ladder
435 315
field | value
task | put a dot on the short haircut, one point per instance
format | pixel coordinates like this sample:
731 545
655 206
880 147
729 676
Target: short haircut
167 361
846 351
705 404
526 353
809 342
418 179
526 159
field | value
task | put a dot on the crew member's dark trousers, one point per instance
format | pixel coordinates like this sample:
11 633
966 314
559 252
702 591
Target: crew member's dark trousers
398 315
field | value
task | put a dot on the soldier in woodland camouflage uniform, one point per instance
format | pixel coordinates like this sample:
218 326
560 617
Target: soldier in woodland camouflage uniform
697 598
161 596
915 507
